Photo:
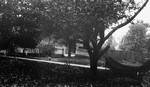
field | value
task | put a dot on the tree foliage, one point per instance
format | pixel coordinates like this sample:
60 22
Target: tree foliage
88 20
20 25
135 40
111 42
96 16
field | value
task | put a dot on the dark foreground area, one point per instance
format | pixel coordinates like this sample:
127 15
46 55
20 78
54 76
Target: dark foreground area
23 73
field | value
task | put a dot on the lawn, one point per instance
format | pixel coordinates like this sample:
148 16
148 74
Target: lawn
81 61
23 73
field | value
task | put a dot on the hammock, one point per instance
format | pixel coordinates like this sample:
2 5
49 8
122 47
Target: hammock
125 70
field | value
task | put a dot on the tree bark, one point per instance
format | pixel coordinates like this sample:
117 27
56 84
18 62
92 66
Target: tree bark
69 49
148 50
24 49
24 52
97 54
93 64
148 53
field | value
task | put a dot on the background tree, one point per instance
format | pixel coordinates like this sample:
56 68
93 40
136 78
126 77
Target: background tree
47 46
19 26
148 47
64 24
28 35
135 40
148 43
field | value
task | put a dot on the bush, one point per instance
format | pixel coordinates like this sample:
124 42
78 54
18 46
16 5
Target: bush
47 50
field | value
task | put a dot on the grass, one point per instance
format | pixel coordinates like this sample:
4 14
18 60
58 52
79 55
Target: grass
22 73
81 61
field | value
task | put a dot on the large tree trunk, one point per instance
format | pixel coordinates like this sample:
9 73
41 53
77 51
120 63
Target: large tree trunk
93 64
94 57
94 61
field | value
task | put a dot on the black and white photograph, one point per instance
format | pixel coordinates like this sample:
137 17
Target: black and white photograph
74 43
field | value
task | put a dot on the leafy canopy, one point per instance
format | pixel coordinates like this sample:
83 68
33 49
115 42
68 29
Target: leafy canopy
19 25
135 40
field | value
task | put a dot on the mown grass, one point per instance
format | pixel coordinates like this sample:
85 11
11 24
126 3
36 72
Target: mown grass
22 73
81 61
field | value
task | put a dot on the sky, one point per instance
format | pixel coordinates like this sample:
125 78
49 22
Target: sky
143 15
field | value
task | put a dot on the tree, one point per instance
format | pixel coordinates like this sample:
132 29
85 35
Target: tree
20 26
47 46
135 40
148 43
63 24
92 18
95 16
27 24
148 47
88 20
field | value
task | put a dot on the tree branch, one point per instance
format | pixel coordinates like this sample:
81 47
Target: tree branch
87 45
88 49
93 43
125 23
100 43
104 50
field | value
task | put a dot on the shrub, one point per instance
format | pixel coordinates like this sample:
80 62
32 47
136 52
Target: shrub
47 50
